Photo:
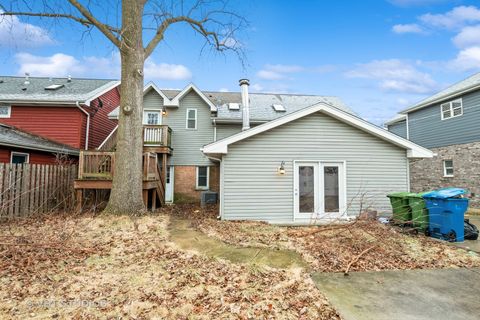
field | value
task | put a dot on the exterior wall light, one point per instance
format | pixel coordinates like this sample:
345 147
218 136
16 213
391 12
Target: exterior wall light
281 169
164 112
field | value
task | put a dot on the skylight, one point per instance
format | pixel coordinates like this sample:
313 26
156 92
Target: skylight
278 108
234 106
54 87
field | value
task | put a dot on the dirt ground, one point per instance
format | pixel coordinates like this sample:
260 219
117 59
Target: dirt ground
333 248
104 267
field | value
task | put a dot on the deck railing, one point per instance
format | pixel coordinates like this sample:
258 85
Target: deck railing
149 166
154 135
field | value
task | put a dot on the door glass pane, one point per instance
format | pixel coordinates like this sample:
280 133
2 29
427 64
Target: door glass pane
332 200
306 188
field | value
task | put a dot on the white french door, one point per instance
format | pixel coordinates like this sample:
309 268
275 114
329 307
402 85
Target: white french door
169 183
319 190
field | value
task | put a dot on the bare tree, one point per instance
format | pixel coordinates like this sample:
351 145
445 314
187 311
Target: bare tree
209 18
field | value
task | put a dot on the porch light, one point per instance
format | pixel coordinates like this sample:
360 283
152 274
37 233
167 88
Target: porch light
164 112
281 169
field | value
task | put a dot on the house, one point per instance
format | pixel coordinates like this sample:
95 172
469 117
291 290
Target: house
17 146
68 114
281 158
446 123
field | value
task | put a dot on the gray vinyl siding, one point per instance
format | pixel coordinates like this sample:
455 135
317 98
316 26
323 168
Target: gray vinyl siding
226 130
252 189
152 100
429 130
399 128
186 143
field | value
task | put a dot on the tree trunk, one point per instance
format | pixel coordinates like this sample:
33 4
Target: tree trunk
126 193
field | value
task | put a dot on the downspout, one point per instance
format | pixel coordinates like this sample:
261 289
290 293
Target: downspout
408 131
214 130
87 130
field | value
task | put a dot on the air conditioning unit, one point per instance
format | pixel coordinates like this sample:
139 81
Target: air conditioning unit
208 197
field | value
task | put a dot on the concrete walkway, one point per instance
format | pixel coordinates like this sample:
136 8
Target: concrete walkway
413 294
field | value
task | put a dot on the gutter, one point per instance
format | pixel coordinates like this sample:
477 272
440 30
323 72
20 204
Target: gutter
69 152
87 130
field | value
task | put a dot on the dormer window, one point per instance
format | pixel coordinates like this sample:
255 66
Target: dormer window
5 111
278 108
53 87
451 109
234 106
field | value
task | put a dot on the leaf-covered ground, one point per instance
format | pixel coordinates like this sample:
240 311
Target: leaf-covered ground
108 266
332 248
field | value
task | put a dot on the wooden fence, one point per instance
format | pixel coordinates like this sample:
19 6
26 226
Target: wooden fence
27 189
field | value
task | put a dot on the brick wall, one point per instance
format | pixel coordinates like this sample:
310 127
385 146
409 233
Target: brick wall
185 180
427 174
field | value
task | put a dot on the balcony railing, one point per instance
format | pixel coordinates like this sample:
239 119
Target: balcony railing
154 135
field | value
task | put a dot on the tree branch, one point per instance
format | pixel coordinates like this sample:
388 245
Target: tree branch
105 29
85 22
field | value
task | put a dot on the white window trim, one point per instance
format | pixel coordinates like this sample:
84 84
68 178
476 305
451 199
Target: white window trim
451 109
186 119
145 119
9 113
208 179
445 175
19 154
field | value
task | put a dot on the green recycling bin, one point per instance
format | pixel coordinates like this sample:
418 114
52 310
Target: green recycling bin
419 211
402 213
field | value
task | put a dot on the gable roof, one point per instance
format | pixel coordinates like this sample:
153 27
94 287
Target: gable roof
395 119
14 90
413 150
467 85
13 137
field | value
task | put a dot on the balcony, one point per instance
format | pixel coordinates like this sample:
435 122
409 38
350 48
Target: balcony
156 138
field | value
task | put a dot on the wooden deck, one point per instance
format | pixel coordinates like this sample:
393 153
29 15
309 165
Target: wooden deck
96 168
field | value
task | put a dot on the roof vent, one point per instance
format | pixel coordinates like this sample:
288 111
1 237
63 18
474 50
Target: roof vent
278 108
54 87
234 106
69 78
27 78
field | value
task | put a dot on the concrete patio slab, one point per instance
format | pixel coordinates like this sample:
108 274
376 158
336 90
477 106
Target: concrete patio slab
411 294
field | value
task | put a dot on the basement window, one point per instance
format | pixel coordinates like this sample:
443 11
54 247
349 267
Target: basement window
448 168
451 109
54 87
19 157
5 111
234 106
202 178
278 108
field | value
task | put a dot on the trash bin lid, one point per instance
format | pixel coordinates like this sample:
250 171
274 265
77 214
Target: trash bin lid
400 194
445 193
418 195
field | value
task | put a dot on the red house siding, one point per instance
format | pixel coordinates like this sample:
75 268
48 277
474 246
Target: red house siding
100 125
35 157
61 124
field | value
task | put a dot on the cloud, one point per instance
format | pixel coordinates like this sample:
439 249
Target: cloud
257 87
395 75
61 65
57 65
453 19
467 59
223 90
165 71
468 36
15 33
407 28
278 71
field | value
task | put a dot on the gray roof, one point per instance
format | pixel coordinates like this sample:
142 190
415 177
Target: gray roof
14 89
395 119
261 103
471 83
13 137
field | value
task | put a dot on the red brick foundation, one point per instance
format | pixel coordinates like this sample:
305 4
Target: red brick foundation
185 180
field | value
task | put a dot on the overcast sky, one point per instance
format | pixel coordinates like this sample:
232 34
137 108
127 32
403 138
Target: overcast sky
378 56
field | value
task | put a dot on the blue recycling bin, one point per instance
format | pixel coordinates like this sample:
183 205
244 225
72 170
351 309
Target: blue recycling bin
446 211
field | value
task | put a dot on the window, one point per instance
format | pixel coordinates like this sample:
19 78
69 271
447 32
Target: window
234 106
191 118
278 108
19 157
202 177
152 117
451 109
448 168
5 111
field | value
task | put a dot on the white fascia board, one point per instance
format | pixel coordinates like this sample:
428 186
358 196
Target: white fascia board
109 87
153 86
221 146
397 118
176 101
